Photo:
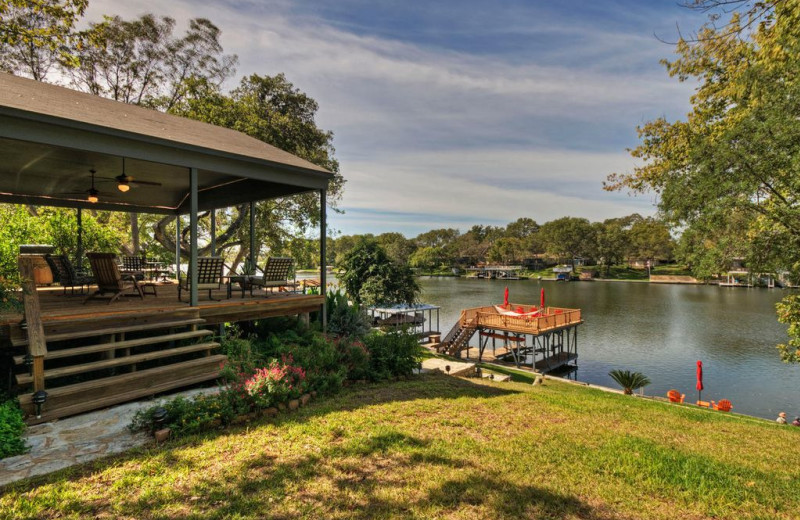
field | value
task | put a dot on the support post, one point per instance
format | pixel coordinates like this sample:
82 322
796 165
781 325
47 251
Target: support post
323 254
178 247
253 254
193 299
213 232
79 253
37 345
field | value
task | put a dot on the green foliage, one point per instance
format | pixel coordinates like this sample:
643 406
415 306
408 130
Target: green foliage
789 314
276 383
371 278
11 429
345 320
394 353
186 416
629 381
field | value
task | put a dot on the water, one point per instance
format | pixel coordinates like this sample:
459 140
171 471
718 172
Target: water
661 331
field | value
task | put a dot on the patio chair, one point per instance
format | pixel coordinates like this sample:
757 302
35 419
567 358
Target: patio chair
209 276
110 279
66 274
675 397
276 274
134 266
723 405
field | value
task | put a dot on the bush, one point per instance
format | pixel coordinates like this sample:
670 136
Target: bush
277 383
11 428
346 320
186 416
395 353
355 358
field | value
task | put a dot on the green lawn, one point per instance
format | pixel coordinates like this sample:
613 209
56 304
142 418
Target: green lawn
441 447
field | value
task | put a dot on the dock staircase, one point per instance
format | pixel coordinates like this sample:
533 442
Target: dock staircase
458 338
96 362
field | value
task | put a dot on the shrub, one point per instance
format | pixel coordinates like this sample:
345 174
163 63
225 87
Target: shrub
629 381
276 383
394 353
11 428
186 416
355 358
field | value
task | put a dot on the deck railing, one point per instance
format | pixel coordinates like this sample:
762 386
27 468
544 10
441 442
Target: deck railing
552 318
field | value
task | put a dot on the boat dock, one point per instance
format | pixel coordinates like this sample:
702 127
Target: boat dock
495 272
543 340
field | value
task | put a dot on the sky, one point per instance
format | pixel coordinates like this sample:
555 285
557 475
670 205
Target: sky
453 113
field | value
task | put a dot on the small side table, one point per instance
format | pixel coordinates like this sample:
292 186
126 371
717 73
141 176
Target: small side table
244 281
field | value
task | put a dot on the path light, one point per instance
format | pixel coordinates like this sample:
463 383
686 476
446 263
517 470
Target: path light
491 376
447 368
159 416
39 399
478 372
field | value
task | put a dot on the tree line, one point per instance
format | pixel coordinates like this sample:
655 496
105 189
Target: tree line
610 242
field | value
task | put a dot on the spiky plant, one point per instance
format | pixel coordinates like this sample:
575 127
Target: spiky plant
629 381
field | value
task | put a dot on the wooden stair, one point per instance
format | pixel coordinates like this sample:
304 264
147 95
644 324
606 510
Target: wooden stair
458 338
83 359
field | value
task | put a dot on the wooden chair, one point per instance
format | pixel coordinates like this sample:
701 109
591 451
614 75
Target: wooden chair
723 405
276 274
209 276
109 278
66 274
675 397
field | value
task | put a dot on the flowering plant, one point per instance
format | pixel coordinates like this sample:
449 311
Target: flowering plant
276 383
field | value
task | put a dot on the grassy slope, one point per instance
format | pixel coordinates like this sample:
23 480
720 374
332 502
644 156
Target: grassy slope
440 447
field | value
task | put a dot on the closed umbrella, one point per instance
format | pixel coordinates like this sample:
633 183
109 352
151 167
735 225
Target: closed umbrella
505 300
699 379
541 301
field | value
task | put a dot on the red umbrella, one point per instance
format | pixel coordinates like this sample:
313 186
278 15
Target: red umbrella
699 379
541 300
505 300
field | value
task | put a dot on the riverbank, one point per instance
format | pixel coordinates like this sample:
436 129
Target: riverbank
439 446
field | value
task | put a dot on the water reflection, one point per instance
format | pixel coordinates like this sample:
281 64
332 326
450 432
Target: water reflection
660 330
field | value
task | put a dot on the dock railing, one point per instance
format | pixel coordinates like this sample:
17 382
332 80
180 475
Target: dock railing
552 318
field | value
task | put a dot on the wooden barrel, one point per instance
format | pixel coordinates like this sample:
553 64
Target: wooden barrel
41 271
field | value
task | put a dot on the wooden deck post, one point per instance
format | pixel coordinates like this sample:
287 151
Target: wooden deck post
37 346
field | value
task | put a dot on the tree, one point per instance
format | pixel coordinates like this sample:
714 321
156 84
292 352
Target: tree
650 239
629 381
612 242
426 258
735 158
397 246
437 237
371 278
568 238
36 35
507 250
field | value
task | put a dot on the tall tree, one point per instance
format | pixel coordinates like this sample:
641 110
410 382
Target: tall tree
37 35
737 155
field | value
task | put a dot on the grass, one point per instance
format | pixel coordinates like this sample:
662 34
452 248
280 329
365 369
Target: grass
442 447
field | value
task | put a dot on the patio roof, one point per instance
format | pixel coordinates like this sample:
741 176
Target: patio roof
51 137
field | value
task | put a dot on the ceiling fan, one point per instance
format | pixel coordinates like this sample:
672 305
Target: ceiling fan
124 181
92 194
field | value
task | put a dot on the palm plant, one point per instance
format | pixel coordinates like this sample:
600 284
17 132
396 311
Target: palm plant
629 381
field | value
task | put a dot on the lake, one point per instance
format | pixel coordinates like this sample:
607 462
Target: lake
661 331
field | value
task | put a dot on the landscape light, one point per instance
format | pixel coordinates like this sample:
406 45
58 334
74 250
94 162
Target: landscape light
38 399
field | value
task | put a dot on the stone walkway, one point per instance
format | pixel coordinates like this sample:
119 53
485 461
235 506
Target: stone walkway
75 440
457 368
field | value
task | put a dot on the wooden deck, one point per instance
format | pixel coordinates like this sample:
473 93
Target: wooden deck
55 306
83 357
554 318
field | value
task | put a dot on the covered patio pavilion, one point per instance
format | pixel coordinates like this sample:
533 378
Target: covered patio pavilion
51 138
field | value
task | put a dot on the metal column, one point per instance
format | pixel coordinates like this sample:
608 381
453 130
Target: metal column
323 262
193 299
253 255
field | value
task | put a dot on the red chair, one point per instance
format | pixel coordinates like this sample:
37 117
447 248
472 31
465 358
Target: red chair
723 405
675 397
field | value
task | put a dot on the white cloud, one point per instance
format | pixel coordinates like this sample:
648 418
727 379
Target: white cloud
424 129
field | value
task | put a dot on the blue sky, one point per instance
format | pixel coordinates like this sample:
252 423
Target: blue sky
454 113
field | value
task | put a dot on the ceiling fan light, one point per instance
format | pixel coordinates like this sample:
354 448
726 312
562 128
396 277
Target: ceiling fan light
92 198
123 187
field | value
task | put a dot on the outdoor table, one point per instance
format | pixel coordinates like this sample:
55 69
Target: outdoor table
244 281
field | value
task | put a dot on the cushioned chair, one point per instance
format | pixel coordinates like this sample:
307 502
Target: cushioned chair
276 274
209 276
66 274
110 279
675 397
